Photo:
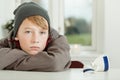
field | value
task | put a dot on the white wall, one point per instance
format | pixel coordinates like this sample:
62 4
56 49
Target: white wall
112 31
6 12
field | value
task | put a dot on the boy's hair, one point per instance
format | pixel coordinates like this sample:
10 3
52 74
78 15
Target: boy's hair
39 20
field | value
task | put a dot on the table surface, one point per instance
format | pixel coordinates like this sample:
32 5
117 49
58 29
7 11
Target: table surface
71 74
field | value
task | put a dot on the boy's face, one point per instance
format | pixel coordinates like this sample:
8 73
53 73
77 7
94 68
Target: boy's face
32 38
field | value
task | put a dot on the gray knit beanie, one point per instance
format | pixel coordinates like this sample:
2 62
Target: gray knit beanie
26 10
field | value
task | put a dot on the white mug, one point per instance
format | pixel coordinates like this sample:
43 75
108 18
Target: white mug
101 63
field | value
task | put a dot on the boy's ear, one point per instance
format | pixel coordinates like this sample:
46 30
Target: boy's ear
16 39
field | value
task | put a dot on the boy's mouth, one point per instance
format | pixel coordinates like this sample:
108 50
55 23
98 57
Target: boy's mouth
36 48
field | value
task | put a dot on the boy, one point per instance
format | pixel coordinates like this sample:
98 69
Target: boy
33 45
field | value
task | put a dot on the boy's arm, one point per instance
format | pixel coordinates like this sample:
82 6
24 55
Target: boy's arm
8 55
56 58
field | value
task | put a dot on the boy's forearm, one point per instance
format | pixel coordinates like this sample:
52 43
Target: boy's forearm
43 62
8 56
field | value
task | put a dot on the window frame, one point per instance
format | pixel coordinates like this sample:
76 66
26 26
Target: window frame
56 9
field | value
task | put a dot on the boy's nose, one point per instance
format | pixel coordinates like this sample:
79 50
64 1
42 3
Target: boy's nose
35 41
36 38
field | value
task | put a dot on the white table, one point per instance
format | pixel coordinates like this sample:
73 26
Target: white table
72 74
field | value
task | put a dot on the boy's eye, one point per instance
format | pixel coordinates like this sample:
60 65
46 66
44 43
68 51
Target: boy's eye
42 32
27 31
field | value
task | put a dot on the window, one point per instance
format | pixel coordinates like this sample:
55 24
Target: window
82 23
78 21
78 24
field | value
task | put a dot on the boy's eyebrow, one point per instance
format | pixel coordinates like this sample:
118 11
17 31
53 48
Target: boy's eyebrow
27 28
32 28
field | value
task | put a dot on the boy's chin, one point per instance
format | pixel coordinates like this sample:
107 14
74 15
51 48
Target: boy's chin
33 52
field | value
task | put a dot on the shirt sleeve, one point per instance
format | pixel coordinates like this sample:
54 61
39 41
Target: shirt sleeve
8 56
